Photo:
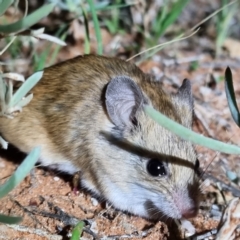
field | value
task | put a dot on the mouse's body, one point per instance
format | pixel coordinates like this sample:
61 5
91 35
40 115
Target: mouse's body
87 115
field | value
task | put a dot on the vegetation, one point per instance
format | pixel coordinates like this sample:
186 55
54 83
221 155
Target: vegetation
14 102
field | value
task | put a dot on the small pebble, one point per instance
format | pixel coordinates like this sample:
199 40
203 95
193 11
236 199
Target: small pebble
56 179
94 202
206 92
94 227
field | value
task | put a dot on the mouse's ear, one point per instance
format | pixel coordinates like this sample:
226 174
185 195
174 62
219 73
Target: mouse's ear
123 98
185 93
183 101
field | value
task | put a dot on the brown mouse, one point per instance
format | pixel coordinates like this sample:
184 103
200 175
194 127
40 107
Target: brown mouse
87 115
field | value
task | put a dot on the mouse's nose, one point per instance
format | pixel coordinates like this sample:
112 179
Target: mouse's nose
189 212
186 205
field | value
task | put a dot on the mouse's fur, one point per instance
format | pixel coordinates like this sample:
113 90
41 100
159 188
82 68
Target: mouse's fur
87 114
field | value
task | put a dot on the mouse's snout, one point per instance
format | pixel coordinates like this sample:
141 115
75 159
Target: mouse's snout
187 205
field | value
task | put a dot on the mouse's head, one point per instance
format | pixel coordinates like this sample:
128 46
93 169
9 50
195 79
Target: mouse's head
158 170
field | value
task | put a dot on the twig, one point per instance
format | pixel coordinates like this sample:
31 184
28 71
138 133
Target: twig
64 217
163 44
60 216
39 232
204 235
29 213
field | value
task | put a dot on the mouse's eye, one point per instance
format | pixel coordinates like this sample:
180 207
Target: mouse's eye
156 168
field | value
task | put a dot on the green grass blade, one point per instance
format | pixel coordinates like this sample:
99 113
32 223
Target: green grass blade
9 219
9 92
28 21
223 28
4 5
25 88
172 16
3 90
158 25
96 27
40 59
25 101
189 135
21 172
225 10
231 98
87 34
71 5
110 26
77 231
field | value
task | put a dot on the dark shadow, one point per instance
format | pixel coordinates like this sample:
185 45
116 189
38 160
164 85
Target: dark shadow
12 154
123 144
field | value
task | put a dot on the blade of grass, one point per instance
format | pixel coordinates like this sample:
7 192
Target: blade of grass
28 21
40 59
8 45
9 219
25 88
179 38
71 5
189 135
211 15
172 16
4 5
96 27
21 172
87 35
77 231
223 28
3 89
231 98
161 18
25 101
9 92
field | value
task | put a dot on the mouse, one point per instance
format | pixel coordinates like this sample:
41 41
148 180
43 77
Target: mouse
87 115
